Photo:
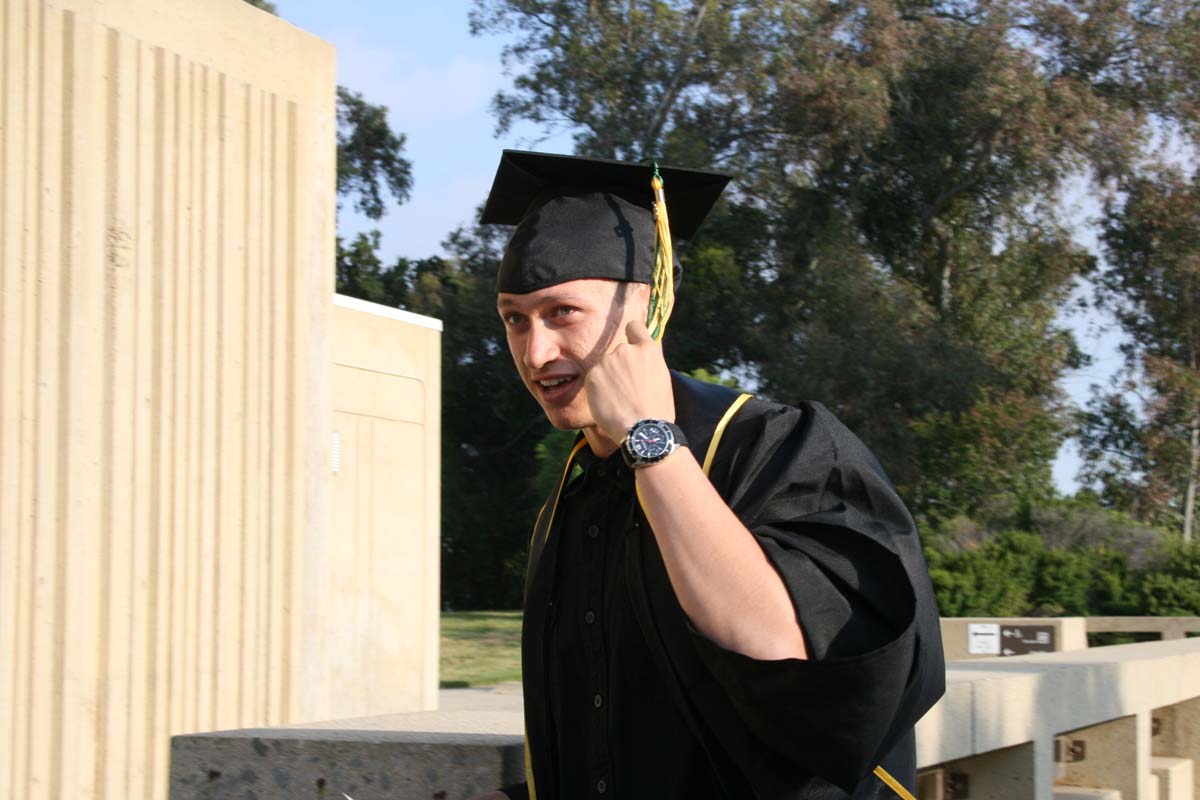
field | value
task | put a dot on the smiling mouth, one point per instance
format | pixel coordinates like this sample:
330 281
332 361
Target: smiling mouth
553 388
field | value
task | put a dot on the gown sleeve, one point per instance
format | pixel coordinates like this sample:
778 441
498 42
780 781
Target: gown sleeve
848 552
517 791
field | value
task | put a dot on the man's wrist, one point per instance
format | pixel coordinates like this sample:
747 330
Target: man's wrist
651 441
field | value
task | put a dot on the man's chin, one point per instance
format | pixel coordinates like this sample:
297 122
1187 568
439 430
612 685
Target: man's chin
567 422
567 419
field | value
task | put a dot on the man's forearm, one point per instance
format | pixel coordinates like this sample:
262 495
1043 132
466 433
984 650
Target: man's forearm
722 577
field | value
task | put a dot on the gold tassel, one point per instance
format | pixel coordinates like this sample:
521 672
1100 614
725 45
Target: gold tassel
662 290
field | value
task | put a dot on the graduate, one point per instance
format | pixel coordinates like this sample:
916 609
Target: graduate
725 598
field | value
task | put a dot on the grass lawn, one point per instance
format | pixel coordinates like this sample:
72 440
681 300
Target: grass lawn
480 648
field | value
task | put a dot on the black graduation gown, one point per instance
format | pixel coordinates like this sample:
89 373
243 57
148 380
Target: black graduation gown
829 520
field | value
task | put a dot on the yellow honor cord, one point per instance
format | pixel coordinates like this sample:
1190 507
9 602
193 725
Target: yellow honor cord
662 287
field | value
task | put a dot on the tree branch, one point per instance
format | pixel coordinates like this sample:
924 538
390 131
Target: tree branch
659 118
944 199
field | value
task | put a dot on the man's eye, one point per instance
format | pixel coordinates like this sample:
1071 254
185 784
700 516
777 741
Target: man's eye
512 319
563 311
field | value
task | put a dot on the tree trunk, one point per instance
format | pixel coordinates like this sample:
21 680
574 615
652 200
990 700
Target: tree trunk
1189 496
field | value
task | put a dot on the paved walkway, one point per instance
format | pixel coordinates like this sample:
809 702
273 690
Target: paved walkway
488 709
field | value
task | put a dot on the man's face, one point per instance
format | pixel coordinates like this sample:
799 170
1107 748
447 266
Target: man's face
558 333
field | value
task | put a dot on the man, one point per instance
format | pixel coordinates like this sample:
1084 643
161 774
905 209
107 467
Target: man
725 597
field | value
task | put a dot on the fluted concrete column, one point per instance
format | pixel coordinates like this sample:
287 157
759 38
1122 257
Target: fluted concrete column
166 241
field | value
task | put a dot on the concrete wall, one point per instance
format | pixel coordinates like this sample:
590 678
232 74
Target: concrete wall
1105 697
166 241
1126 717
377 589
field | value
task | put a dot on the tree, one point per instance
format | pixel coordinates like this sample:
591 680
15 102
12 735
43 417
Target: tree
370 163
904 161
369 156
1148 458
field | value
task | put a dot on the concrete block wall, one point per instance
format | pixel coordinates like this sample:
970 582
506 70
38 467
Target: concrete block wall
1116 757
1173 777
376 595
1176 732
996 727
273 764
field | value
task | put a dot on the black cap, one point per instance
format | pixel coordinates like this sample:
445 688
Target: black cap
587 217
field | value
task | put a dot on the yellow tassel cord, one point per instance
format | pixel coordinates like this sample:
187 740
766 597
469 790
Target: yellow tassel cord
662 290
893 784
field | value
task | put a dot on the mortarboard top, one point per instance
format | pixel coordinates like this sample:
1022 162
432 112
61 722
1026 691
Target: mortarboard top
588 218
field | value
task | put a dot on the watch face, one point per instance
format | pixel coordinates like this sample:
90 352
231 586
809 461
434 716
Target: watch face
650 440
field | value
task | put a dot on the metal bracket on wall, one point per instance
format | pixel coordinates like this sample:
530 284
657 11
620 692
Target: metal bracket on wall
1069 751
940 784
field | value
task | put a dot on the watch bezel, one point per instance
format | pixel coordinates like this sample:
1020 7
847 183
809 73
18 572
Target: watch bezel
635 459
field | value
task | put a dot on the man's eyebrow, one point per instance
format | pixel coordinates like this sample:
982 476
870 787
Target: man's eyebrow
554 299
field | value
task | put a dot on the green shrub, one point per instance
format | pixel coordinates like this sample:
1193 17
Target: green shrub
1173 588
1016 573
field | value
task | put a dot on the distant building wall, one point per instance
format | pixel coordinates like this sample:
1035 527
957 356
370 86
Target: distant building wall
166 237
375 588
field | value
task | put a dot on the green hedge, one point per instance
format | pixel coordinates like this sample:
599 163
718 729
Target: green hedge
1018 573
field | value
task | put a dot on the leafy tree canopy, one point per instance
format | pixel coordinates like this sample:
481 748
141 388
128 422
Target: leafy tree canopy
369 160
892 244
1147 456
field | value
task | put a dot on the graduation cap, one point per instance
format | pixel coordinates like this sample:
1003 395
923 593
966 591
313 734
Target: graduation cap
594 218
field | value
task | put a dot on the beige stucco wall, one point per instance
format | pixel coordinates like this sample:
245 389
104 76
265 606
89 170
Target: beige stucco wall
376 583
166 241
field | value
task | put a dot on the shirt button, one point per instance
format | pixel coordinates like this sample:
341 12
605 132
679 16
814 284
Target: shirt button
593 531
589 617
601 786
597 701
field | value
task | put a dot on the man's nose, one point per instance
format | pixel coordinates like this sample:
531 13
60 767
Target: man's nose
541 347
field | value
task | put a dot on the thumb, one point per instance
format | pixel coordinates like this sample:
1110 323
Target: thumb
636 332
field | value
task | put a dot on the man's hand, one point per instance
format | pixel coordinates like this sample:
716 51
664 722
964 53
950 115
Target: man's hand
631 382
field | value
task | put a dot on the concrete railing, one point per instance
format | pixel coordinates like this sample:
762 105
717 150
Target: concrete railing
975 637
1168 627
1106 722
1112 722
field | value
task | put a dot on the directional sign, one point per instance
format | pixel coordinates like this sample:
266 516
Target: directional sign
983 638
1017 640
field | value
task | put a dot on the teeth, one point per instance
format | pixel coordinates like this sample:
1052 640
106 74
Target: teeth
550 384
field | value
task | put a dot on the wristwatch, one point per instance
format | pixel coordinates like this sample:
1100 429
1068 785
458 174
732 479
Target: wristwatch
649 441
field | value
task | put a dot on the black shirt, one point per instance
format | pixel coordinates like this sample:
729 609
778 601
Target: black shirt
617 731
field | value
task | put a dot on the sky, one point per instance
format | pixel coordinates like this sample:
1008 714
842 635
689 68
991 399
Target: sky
419 60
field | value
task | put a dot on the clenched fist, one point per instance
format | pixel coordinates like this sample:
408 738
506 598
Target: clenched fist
629 383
